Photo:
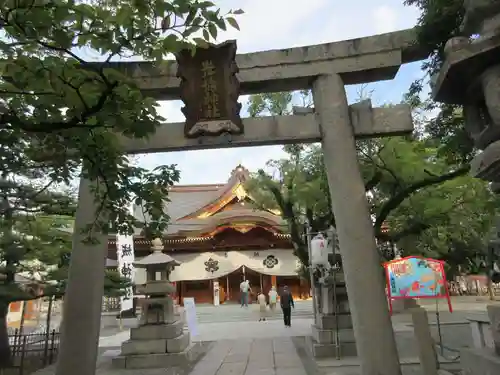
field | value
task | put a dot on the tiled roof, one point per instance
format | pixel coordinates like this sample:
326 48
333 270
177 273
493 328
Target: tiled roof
188 199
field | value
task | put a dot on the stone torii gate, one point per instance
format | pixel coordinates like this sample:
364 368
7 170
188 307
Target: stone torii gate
325 68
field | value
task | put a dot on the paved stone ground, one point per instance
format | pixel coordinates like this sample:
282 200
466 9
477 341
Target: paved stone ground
236 343
251 357
104 366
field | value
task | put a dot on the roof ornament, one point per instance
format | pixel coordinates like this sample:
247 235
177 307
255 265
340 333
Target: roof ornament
240 173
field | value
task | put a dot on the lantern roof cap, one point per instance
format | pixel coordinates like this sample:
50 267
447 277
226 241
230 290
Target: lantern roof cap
157 258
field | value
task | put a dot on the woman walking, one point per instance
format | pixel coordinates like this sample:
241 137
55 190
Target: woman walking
261 298
273 297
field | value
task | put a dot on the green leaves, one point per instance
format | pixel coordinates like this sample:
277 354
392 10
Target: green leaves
60 113
233 23
212 30
439 21
418 189
62 117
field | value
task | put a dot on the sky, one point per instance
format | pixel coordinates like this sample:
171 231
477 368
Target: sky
276 24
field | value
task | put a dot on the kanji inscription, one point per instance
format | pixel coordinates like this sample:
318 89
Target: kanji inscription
126 270
210 90
126 250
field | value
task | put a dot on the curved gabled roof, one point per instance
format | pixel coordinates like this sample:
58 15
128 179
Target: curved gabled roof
226 193
198 207
236 218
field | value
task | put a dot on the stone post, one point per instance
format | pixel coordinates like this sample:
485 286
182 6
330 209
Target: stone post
425 342
314 294
494 315
84 292
372 325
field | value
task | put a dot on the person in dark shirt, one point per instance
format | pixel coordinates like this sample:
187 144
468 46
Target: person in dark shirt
286 302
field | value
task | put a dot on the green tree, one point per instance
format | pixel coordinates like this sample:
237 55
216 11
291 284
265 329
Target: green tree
62 115
38 247
418 199
25 237
439 21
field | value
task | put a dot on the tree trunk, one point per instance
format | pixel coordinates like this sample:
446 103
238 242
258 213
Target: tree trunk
5 352
23 317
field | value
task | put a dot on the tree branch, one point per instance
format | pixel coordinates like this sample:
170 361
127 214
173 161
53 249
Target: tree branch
413 229
399 197
50 127
372 182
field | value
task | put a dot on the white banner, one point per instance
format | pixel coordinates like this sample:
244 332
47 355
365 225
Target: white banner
190 314
126 258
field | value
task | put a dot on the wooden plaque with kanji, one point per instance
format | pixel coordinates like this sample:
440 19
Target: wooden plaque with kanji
210 90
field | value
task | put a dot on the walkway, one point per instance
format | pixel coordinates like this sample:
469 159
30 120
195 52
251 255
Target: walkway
235 342
230 331
251 357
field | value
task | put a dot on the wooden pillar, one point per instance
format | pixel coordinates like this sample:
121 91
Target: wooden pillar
183 292
228 290
178 290
273 281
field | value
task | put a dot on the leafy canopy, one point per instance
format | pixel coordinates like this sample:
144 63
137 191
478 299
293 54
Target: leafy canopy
439 21
61 114
420 198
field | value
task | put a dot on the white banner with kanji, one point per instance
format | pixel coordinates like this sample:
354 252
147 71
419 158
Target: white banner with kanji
125 256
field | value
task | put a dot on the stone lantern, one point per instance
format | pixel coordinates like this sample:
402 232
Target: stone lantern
332 334
157 307
470 76
159 341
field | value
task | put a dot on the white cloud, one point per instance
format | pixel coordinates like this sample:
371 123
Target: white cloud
272 24
385 19
268 24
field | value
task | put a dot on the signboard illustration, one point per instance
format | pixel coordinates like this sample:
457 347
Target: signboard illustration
416 277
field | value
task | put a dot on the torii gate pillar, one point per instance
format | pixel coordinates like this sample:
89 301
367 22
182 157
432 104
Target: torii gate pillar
372 325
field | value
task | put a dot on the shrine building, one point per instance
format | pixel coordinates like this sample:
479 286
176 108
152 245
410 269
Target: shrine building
221 237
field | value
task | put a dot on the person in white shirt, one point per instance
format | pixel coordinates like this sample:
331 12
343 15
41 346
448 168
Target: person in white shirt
244 289
273 297
261 298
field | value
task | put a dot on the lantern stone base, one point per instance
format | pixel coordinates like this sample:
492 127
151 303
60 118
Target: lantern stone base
155 346
326 344
157 360
330 321
327 341
157 331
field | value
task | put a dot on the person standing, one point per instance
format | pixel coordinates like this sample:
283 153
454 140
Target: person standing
261 298
244 288
286 302
273 297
